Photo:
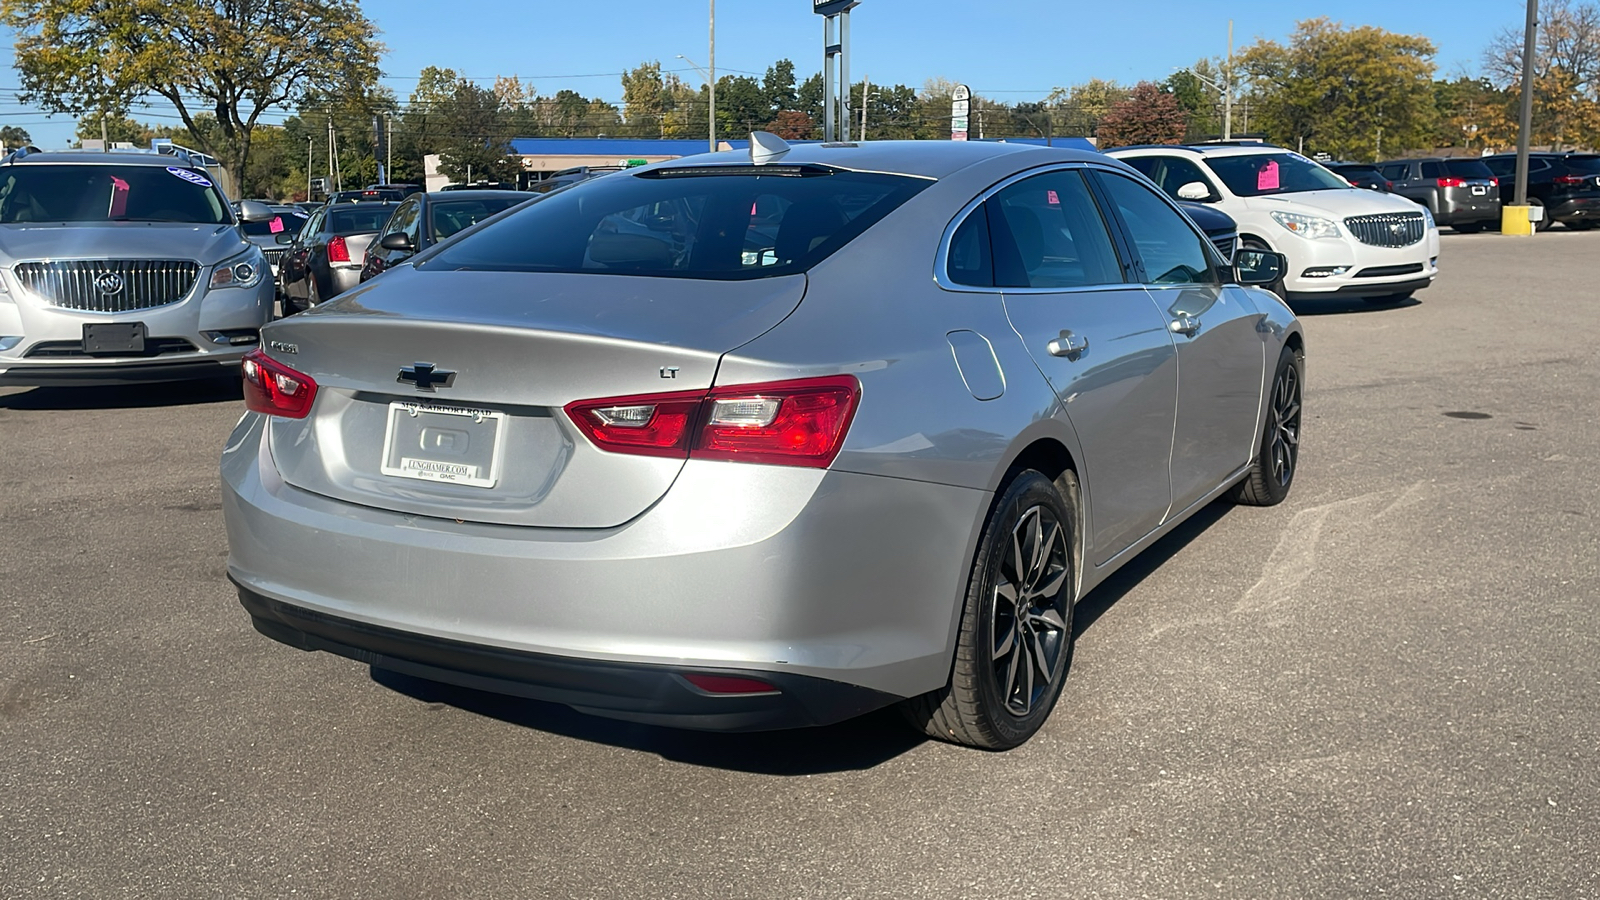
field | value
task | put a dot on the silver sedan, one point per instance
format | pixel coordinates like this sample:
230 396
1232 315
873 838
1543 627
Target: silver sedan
748 441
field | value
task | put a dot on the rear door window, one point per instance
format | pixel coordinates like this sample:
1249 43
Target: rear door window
718 222
1047 232
1432 170
1395 172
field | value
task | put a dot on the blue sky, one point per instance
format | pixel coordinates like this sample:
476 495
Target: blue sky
1007 49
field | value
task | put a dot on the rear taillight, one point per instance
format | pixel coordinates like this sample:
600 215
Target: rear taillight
1494 182
1569 179
275 389
786 423
1388 185
338 250
1452 182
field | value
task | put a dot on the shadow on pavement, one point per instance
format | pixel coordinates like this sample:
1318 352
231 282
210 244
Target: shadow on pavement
1337 306
130 396
1108 592
856 744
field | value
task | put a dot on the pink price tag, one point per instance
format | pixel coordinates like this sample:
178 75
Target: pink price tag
1267 178
276 226
119 198
1052 198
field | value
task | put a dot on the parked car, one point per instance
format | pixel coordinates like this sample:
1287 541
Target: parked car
1461 193
567 177
368 195
405 189
324 259
480 186
673 479
1220 228
1339 240
124 267
1362 175
264 234
1567 185
426 219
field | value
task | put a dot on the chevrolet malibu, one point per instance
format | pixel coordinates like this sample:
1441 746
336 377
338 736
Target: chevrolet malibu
750 441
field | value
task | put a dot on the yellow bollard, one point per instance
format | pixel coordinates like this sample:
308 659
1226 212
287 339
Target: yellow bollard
1514 220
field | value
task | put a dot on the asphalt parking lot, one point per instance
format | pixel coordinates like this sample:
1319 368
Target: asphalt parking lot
1389 685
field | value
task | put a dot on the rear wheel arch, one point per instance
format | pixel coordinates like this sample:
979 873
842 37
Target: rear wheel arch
1051 458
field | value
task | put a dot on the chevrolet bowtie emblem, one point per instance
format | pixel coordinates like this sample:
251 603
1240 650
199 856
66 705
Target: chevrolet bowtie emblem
425 376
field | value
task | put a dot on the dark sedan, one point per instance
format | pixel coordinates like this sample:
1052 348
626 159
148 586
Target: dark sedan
426 219
324 259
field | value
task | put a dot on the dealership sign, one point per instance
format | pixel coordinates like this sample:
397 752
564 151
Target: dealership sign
960 106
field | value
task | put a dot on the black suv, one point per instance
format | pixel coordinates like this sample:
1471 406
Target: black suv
1567 185
1361 175
1461 193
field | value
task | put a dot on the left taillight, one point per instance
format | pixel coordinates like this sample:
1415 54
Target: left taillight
275 389
785 423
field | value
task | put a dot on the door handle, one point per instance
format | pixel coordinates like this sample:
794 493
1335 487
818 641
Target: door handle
1069 345
1185 324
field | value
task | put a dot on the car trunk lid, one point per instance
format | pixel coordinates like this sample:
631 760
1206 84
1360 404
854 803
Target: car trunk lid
442 394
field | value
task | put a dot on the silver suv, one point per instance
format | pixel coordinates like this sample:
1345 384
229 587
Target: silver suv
123 267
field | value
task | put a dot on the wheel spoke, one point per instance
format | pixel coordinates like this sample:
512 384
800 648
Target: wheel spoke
1040 662
1051 619
1052 586
1007 642
1013 666
1024 675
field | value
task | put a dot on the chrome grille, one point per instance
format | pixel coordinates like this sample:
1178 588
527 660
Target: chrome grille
1388 229
1225 245
86 284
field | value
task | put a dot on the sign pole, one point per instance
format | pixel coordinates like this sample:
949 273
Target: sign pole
960 110
835 53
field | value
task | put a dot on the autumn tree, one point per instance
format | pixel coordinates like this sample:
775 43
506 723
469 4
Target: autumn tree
644 97
11 137
1354 93
1078 109
233 58
1149 115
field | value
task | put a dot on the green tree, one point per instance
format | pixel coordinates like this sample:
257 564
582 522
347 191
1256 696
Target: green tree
644 100
476 139
12 137
1080 107
234 58
778 86
741 106
1355 93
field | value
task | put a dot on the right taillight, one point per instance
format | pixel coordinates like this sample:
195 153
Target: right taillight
1568 179
338 250
275 389
787 423
1452 182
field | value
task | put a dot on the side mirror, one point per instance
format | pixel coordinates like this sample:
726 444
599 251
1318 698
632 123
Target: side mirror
253 211
1258 266
397 240
1195 191
285 237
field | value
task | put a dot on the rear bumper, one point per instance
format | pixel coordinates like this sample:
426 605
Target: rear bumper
1459 207
655 695
1575 208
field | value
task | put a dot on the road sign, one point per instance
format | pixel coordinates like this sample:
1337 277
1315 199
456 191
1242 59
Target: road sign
960 106
832 7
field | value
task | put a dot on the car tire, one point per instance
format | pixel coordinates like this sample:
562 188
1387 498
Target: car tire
1468 227
1276 287
1023 583
1278 454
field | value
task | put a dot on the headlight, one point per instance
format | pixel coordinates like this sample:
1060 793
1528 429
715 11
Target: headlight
242 271
1311 227
1427 215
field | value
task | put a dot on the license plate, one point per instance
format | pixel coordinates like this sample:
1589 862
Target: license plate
445 444
1479 190
114 337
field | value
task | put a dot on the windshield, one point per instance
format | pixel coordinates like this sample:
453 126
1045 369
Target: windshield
281 223
725 223
451 216
359 218
1259 174
105 193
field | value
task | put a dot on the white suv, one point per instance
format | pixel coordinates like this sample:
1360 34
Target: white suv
1338 239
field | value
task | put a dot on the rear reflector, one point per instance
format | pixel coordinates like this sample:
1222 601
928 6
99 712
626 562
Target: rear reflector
726 684
786 423
275 389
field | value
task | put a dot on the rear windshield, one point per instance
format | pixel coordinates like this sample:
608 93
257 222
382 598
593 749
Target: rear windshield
359 218
102 193
1358 172
451 216
281 223
729 226
1467 168
1588 165
1256 174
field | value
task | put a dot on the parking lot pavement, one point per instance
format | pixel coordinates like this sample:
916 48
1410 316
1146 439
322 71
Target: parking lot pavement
1387 685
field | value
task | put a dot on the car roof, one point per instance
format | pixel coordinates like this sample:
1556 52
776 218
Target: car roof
98 158
1200 150
924 159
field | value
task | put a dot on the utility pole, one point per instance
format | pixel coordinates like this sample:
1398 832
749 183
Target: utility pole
1227 93
308 167
866 85
1528 50
713 76
388 142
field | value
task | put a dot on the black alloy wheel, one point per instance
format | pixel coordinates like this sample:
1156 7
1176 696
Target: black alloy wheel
1278 455
1015 641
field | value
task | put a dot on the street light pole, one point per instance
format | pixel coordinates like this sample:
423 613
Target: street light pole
1528 50
1227 96
713 76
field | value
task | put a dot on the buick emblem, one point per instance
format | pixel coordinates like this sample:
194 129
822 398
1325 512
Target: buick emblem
108 283
425 375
